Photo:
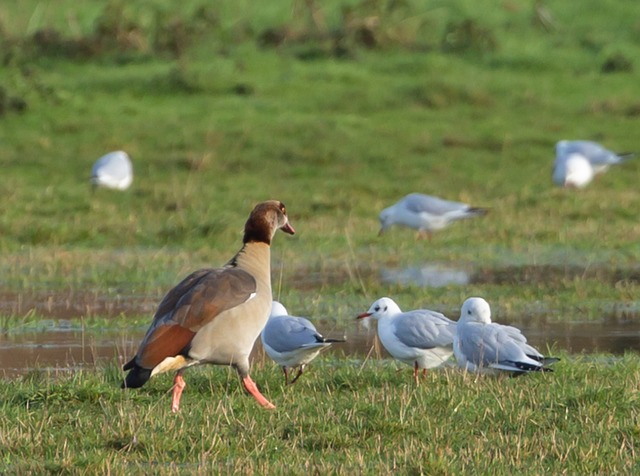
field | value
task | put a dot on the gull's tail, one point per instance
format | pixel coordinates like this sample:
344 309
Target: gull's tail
477 211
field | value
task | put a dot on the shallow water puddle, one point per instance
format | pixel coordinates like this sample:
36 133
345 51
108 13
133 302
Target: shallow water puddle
58 343
63 350
60 350
428 275
432 275
72 304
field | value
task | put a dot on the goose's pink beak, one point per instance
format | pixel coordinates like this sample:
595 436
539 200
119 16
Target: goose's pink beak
287 228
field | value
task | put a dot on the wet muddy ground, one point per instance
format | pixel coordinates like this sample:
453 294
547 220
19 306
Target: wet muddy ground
60 350
59 343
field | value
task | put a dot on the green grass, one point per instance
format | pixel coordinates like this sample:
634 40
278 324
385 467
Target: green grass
340 417
338 114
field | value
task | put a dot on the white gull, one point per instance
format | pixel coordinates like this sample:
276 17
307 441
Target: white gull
579 161
426 213
292 341
421 338
484 346
113 170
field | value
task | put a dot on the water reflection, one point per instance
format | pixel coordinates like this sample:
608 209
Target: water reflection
61 345
438 274
63 350
72 304
428 275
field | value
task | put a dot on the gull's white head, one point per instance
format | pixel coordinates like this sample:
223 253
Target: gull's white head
113 170
387 218
475 309
381 308
561 148
278 309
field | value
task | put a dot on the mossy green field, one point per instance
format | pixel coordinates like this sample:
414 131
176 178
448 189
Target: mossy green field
338 109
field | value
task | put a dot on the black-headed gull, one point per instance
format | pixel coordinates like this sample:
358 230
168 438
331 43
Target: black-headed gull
426 213
113 170
484 346
420 338
292 341
579 161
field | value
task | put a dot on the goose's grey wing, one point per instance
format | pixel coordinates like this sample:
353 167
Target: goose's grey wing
424 329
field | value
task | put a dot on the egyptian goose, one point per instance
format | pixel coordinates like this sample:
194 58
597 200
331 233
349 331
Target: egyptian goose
292 341
426 213
113 170
486 347
579 161
421 338
214 316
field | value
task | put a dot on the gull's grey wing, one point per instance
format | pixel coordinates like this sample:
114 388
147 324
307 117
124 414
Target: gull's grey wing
288 333
114 164
485 344
516 335
419 203
424 329
594 152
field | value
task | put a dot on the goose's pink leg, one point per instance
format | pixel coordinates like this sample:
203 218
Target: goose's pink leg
251 387
178 387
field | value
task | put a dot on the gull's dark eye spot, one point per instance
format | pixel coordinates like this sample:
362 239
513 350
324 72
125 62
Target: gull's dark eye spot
377 308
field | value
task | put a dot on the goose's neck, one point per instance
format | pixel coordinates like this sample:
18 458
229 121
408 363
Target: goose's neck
255 258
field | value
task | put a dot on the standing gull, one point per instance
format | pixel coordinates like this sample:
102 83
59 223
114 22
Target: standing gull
420 338
426 213
113 170
214 316
579 161
292 341
483 346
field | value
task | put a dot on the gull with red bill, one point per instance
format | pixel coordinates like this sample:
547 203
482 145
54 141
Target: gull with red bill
421 338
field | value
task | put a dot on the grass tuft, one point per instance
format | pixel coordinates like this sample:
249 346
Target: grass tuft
578 419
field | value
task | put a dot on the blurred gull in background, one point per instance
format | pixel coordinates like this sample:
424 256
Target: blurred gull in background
113 170
426 213
579 161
